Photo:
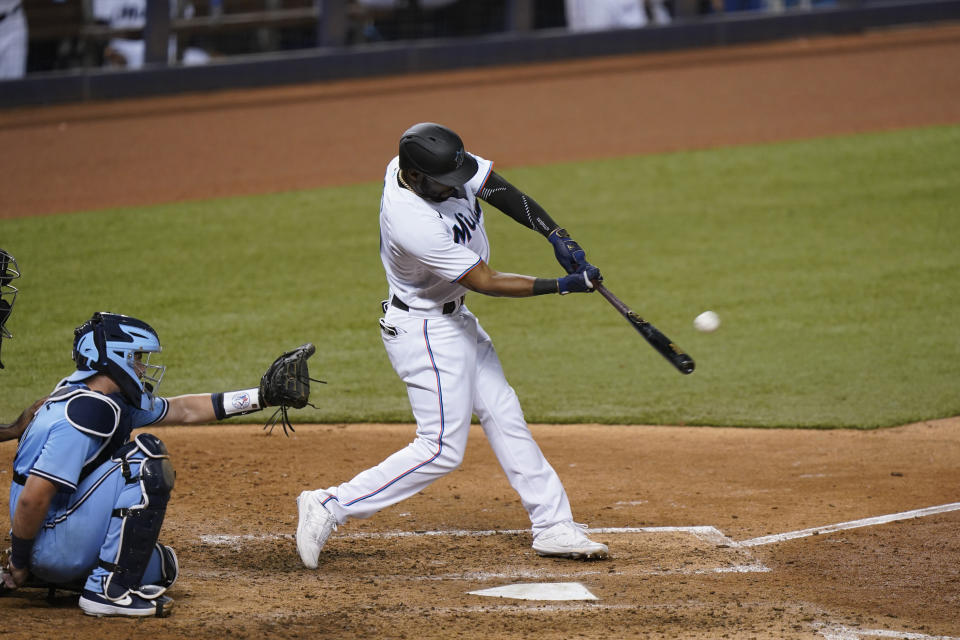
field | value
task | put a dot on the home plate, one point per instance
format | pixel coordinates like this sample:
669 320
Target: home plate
539 591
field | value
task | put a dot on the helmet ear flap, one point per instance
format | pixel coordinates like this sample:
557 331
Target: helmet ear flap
99 339
84 337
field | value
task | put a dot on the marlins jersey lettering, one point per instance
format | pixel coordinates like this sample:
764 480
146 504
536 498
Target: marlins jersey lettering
425 246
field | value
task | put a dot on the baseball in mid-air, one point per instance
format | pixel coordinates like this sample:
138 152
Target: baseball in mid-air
706 322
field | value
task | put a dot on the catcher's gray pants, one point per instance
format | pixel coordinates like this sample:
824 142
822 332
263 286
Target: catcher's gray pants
452 371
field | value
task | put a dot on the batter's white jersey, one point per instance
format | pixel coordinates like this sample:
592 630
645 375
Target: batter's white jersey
425 246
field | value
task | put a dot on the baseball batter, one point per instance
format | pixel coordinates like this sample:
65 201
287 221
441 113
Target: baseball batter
434 249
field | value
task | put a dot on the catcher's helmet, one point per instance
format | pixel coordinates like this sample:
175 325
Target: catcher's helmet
438 153
115 345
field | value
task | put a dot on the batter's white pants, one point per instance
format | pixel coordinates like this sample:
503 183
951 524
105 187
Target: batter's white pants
452 371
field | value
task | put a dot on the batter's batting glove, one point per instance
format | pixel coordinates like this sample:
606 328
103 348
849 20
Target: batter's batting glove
584 281
569 254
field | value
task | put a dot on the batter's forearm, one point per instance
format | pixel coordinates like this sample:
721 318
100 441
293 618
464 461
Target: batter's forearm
485 280
516 204
507 285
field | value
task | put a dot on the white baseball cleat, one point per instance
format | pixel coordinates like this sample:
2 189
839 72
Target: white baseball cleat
568 540
314 527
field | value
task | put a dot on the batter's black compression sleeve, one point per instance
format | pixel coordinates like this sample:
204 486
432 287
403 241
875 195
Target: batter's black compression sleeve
516 204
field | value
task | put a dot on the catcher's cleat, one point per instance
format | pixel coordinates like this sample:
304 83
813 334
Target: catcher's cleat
131 605
568 540
314 527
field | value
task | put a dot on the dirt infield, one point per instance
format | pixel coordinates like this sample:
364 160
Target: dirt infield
676 503
695 517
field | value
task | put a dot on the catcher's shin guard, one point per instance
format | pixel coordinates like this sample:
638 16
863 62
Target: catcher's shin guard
169 566
140 524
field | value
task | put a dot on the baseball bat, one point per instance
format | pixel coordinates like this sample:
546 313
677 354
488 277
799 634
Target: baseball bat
664 346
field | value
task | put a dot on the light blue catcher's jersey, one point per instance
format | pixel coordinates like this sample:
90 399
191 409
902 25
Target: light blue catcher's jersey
74 431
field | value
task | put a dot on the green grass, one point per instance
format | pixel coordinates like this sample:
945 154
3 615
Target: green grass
834 266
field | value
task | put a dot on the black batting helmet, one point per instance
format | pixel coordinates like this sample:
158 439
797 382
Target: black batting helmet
438 153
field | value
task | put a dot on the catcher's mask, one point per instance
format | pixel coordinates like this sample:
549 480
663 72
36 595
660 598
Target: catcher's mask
436 153
9 271
120 347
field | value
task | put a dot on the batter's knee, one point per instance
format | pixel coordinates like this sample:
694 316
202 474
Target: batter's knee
449 459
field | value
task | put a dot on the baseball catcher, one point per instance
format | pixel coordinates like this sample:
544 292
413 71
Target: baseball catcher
88 497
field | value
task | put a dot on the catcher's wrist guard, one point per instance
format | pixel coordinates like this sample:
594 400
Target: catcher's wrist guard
236 403
20 549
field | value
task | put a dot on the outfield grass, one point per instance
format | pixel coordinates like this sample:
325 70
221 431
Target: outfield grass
834 266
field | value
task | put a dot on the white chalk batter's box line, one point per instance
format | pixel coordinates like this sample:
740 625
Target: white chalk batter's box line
711 535
841 632
706 533
852 524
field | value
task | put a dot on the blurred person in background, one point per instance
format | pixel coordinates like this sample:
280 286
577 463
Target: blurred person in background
13 40
769 5
128 53
598 15
410 19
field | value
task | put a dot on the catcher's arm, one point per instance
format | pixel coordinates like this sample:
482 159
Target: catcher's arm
285 384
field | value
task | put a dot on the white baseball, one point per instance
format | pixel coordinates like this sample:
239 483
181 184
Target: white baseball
706 322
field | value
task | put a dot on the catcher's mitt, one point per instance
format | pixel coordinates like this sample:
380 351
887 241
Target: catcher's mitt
286 384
